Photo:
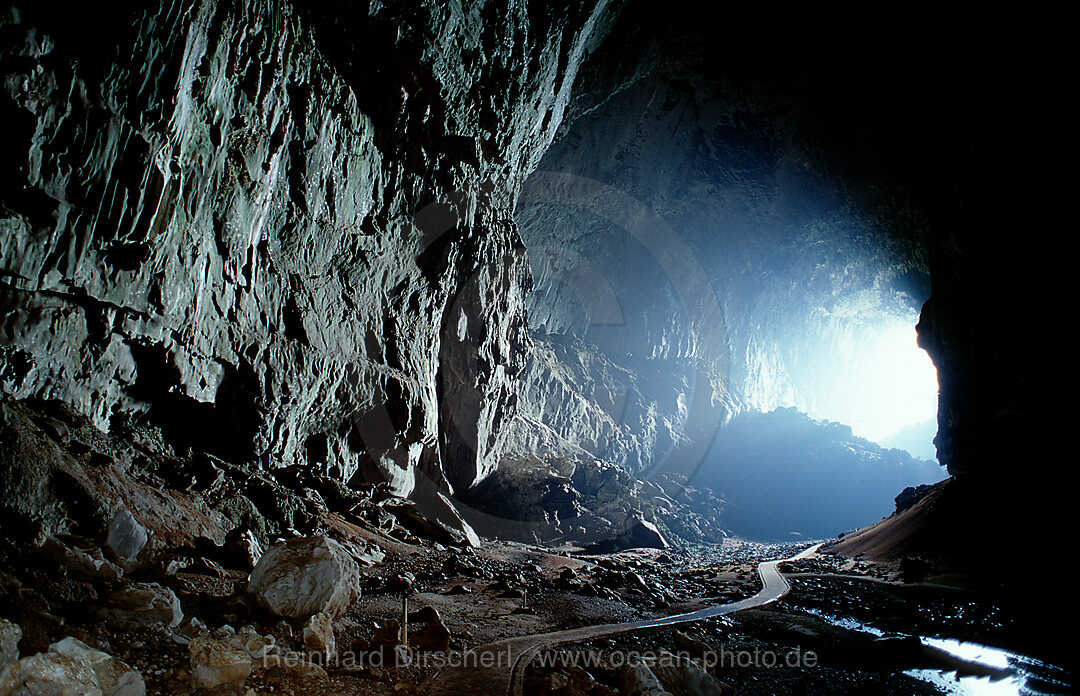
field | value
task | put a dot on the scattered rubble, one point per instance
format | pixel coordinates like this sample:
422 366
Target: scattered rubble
70 667
288 571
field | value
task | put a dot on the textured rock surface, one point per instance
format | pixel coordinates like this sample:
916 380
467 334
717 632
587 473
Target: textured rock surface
113 676
287 235
71 668
10 635
319 636
303 577
216 661
76 482
142 604
431 515
575 401
51 674
228 220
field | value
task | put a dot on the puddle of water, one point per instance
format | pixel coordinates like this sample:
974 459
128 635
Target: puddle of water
972 652
949 683
1030 677
846 622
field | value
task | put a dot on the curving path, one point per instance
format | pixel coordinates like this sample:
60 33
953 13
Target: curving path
514 654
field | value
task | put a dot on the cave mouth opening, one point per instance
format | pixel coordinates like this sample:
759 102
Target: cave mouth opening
869 374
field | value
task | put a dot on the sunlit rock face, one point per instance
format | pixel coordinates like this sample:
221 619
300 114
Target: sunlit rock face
574 401
283 234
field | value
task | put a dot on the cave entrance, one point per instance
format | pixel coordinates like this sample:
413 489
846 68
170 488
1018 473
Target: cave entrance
866 371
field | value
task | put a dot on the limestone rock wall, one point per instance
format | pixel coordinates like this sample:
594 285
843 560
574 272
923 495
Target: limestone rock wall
576 402
281 234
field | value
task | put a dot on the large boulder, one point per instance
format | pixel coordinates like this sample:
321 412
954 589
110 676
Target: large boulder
642 533
307 576
71 668
431 515
639 533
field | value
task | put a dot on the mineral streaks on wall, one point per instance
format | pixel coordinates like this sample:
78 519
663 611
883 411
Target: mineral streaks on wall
281 235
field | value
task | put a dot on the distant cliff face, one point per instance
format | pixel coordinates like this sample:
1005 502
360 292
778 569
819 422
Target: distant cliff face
281 234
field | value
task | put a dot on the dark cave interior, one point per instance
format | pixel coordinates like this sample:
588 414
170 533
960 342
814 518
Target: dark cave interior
541 293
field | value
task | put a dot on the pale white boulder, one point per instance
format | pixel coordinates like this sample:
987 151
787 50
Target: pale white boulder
306 576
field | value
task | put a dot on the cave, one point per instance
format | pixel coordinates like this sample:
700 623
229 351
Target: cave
582 347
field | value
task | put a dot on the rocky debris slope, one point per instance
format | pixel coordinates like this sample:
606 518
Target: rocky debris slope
591 504
348 600
170 561
124 566
223 215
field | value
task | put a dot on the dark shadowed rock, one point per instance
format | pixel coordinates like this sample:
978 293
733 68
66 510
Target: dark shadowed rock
434 636
432 516
644 534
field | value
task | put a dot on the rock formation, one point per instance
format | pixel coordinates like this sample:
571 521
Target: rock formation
263 263
282 234
299 301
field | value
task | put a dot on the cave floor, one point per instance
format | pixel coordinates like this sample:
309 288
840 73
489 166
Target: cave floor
478 596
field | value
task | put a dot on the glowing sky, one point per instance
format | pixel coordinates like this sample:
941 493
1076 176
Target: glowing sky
868 373
884 382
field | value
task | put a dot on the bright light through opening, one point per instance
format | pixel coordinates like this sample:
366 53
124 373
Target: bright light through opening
880 382
901 385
